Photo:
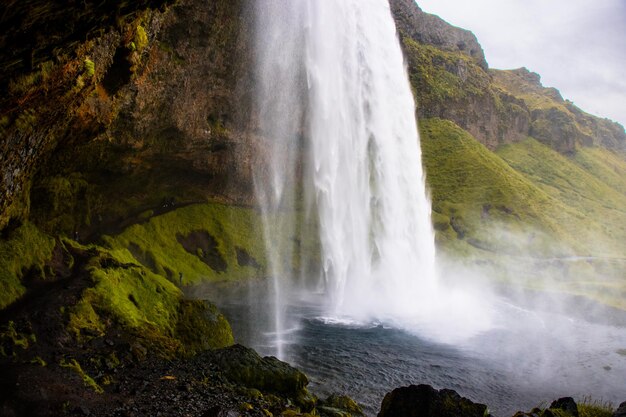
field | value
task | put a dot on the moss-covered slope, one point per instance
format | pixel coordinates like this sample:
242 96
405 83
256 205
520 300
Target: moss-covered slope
578 186
474 192
23 252
91 292
529 214
203 242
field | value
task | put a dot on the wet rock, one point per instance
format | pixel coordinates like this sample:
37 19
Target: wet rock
621 410
535 412
339 406
244 366
425 401
566 404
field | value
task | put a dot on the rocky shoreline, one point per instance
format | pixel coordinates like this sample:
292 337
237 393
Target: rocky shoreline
118 374
97 336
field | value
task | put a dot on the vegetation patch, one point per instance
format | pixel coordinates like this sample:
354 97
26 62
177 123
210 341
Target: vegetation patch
203 242
530 214
594 410
472 189
227 226
89 381
441 76
25 250
147 305
578 186
12 338
201 327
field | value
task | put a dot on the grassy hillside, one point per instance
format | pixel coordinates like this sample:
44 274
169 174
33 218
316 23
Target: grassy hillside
577 185
481 200
529 214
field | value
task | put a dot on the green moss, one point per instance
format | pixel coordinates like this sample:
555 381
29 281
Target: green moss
89 381
441 76
11 339
155 243
83 321
339 406
134 296
472 189
89 67
244 407
25 249
580 188
37 360
201 326
245 367
147 305
141 38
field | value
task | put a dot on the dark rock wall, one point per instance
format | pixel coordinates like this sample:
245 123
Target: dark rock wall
431 30
115 108
153 98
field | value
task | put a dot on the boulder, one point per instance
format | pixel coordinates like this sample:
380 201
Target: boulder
339 406
244 366
621 410
425 401
566 404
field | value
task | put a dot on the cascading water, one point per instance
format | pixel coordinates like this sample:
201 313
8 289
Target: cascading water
378 249
334 98
280 102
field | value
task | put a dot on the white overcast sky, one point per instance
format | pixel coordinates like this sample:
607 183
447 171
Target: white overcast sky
577 46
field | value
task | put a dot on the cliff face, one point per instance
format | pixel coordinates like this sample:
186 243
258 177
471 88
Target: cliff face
161 98
429 29
452 81
158 100
555 121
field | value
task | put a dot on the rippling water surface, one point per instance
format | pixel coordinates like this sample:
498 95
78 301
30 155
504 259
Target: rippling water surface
527 359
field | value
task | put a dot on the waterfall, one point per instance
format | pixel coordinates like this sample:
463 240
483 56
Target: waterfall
337 112
378 251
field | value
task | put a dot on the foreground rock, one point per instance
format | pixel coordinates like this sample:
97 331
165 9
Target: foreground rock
210 384
563 407
425 401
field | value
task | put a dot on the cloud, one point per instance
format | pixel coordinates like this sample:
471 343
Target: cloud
577 46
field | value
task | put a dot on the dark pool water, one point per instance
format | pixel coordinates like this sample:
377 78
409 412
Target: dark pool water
526 359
